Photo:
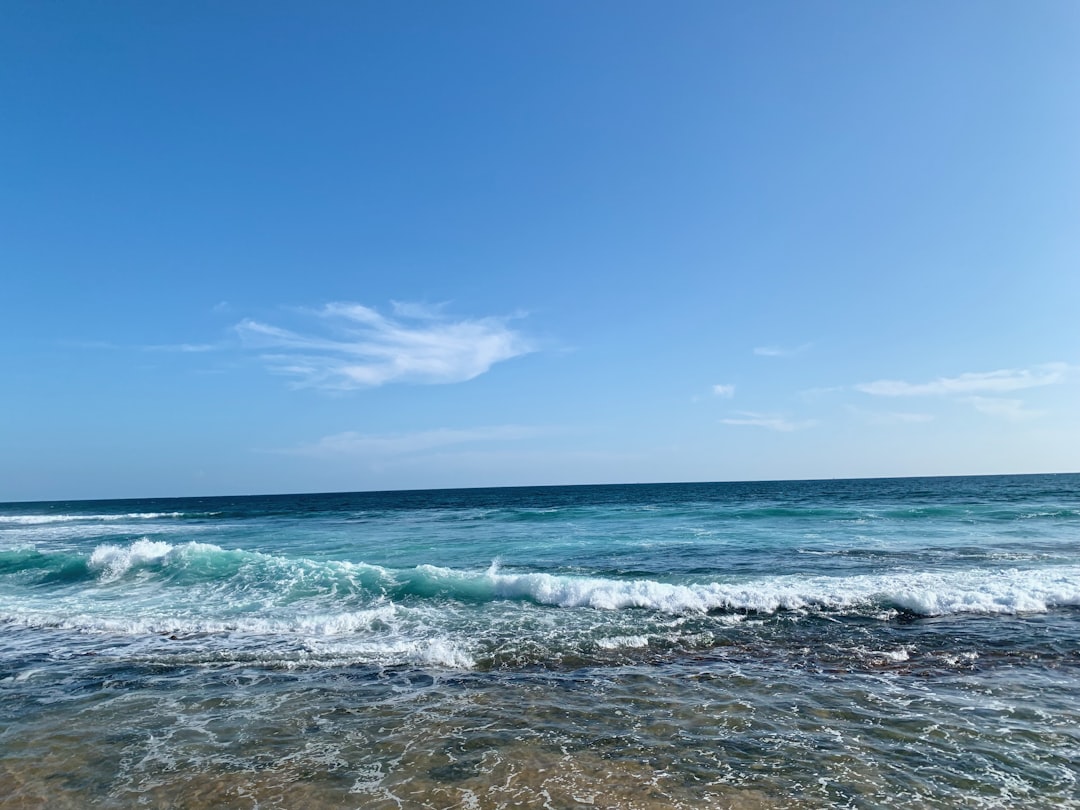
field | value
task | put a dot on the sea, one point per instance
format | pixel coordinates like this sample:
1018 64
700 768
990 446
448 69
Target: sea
900 643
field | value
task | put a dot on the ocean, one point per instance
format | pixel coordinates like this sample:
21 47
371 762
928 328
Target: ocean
892 643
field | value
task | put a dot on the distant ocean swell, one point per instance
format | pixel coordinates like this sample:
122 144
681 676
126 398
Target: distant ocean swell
844 512
39 520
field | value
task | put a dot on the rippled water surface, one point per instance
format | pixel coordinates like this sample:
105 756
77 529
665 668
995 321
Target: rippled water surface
876 643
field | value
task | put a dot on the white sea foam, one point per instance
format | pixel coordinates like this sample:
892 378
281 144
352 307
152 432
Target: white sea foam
34 520
25 675
165 623
114 561
897 656
438 650
987 592
622 642
928 594
381 635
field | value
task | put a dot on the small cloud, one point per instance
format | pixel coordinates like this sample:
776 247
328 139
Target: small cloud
186 348
723 391
352 346
221 307
1012 409
351 443
780 351
767 421
993 382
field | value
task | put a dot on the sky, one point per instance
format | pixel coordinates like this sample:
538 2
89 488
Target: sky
292 247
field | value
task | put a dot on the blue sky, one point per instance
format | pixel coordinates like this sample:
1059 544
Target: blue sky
285 247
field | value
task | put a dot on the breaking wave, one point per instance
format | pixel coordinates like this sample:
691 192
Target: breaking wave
260 579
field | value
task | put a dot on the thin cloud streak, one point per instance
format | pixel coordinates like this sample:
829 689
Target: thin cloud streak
178 348
767 421
353 346
353 443
723 391
904 418
185 348
988 382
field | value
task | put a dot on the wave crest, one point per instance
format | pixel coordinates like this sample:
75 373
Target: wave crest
255 578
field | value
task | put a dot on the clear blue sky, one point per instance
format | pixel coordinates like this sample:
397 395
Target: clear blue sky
286 247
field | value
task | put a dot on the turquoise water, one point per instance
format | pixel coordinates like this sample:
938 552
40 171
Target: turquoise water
865 643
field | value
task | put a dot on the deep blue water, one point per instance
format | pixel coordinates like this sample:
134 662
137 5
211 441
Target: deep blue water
887 642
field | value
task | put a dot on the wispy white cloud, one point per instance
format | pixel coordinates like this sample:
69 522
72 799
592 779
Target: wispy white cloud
723 391
1012 409
891 417
991 382
812 394
353 346
767 421
352 443
905 417
780 351
416 309
180 348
